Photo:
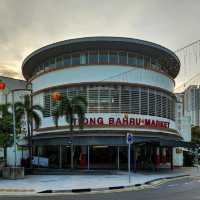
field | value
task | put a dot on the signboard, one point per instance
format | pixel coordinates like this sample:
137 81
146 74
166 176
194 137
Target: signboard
119 121
40 161
129 138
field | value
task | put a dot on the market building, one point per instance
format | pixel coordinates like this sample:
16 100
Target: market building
128 84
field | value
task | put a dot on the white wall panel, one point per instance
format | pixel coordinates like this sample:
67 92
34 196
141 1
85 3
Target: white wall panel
97 73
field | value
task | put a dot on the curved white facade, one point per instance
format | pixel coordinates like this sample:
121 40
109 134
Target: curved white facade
103 73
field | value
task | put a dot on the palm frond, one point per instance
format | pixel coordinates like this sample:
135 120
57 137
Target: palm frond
38 108
19 105
79 100
36 118
4 109
79 110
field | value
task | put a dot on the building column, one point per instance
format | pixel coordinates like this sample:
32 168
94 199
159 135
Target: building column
118 167
88 157
164 155
157 157
60 156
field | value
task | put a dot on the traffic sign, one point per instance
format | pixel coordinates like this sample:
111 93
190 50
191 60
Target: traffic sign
129 138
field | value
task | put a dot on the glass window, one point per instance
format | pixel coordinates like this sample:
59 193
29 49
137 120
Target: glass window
93 57
132 59
76 59
52 62
103 56
42 67
155 64
59 61
84 58
147 61
67 60
46 64
140 60
122 58
113 57
144 101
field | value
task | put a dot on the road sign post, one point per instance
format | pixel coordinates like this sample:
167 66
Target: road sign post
129 163
129 142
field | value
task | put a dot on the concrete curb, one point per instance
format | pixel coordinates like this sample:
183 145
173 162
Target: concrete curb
82 190
165 178
16 190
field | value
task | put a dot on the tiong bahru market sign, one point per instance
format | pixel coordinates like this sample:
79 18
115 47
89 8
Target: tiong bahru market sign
118 122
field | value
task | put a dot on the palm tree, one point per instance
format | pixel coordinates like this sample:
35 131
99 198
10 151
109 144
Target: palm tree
71 109
31 113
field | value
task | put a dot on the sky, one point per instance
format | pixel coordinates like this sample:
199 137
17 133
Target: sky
26 25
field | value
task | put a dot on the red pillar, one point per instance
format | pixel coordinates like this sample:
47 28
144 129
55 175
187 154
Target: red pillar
83 156
157 158
171 158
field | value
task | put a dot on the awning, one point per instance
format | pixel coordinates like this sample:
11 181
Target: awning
165 142
110 137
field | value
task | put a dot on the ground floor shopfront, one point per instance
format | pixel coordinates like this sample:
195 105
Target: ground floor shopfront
144 156
104 150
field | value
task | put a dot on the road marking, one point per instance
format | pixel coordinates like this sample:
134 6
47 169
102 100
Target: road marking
173 185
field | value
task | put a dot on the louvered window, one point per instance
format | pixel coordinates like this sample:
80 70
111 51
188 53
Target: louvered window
152 102
118 99
144 102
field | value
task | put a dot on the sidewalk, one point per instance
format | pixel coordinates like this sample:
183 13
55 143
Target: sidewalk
38 183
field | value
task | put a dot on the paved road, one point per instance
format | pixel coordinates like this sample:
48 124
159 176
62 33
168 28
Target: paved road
184 189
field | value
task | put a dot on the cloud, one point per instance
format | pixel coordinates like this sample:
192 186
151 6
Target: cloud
10 72
26 25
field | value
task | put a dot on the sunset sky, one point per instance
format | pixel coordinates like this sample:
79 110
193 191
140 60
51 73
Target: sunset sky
26 25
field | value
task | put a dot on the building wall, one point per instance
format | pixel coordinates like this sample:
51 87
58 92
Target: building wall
103 73
192 104
183 122
12 84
